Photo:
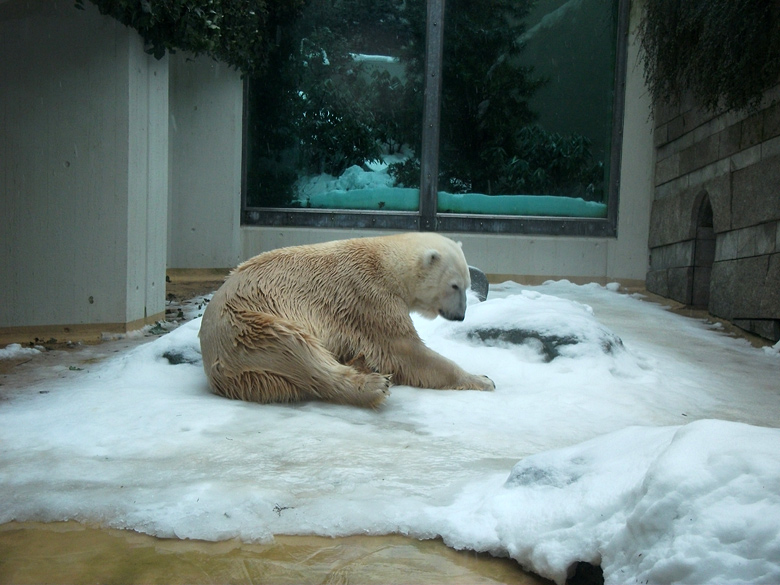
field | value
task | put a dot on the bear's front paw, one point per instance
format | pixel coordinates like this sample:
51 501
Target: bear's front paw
477 383
486 383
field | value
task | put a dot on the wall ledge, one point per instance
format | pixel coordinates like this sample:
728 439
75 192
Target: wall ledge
84 332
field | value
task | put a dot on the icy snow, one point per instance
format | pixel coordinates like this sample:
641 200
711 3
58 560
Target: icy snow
619 433
15 351
373 189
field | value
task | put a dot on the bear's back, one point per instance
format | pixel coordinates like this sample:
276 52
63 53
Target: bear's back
314 283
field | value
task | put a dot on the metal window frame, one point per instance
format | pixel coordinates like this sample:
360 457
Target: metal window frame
428 218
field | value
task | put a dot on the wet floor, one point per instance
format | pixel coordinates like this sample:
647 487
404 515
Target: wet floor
68 552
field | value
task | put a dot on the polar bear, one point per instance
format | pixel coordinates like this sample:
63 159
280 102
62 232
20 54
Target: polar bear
331 321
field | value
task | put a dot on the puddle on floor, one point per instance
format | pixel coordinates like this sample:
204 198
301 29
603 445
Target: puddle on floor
69 552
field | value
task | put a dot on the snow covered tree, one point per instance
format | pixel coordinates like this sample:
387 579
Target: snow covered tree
726 53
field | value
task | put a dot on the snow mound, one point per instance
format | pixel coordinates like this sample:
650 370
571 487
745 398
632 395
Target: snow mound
713 488
180 346
14 351
326 190
357 178
773 350
543 326
692 504
553 327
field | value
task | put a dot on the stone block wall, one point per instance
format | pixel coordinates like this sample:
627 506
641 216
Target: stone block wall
715 220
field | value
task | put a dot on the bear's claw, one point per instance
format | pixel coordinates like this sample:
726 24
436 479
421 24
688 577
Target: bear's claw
489 384
376 389
477 383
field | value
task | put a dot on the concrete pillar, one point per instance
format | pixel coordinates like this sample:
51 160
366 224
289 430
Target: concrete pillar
83 174
206 134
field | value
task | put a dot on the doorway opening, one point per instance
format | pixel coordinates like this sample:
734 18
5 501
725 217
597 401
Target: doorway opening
703 253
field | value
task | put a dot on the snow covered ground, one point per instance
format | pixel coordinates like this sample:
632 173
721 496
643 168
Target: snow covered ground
619 433
373 189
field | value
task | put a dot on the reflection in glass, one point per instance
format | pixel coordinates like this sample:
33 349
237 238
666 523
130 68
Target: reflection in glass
328 119
527 107
526 111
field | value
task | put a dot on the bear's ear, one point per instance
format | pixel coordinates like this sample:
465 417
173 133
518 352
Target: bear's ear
460 244
431 257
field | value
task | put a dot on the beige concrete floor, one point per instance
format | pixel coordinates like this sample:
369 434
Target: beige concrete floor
68 552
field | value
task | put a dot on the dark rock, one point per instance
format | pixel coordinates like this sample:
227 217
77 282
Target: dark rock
549 345
583 573
177 357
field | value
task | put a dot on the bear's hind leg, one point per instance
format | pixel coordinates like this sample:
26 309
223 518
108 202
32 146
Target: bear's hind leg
345 385
316 375
279 362
260 387
342 387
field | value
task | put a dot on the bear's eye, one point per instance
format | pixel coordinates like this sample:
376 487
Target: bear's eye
455 287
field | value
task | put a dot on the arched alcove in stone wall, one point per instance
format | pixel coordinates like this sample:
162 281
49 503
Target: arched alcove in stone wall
719 173
703 251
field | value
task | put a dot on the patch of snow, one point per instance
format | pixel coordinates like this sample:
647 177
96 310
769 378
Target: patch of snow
648 504
15 350
373 189
656 459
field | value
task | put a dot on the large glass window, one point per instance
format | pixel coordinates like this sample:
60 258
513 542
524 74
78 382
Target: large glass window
530 108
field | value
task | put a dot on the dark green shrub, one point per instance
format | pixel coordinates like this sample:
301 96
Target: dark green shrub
407 173
489 142
725 52
333 119
270 183
548 163
241 34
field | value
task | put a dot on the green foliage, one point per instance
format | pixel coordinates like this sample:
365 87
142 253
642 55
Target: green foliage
542 163
315 109
270 181
374 27
489 143
725 52
390 118
406 173
239 33
333 120
547 163
486 91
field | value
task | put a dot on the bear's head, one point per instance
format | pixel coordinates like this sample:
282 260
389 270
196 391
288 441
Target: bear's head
443 279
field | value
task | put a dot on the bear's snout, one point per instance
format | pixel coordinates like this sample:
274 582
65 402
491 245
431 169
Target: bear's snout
452 316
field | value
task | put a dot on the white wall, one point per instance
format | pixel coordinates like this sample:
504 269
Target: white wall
205 155
533 258
628 256
147 182
83 171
